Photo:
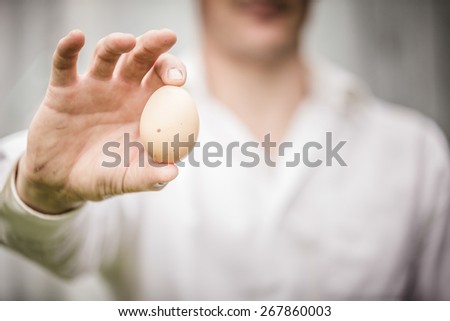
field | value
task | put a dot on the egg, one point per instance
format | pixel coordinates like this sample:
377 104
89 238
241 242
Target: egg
169 112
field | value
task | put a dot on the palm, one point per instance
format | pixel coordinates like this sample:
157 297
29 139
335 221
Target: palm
105 112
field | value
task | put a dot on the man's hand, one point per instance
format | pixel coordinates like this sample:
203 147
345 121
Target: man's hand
61 167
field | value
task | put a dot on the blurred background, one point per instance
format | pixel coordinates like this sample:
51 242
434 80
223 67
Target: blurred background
400 48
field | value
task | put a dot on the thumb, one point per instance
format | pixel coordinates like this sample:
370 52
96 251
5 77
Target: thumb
151 177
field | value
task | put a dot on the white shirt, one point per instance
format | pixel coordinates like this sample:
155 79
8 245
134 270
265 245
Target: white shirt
378 228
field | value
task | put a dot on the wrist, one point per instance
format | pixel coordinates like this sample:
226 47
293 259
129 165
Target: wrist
40 196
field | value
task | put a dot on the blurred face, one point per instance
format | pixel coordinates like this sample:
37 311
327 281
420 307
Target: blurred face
254 29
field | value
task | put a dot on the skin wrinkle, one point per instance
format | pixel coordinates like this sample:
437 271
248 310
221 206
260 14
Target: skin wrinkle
38 168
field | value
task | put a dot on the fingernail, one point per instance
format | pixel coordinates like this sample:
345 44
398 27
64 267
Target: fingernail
159 185
175 74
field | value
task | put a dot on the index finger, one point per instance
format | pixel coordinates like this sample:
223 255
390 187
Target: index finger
64 66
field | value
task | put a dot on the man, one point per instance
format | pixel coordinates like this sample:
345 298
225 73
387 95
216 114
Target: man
365 215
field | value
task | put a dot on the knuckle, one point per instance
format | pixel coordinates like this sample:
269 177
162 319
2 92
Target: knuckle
106 50
61 62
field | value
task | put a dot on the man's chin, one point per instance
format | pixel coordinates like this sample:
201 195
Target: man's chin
263 53
267 45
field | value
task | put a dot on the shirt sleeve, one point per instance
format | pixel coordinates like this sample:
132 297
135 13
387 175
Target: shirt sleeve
67 244
431 279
